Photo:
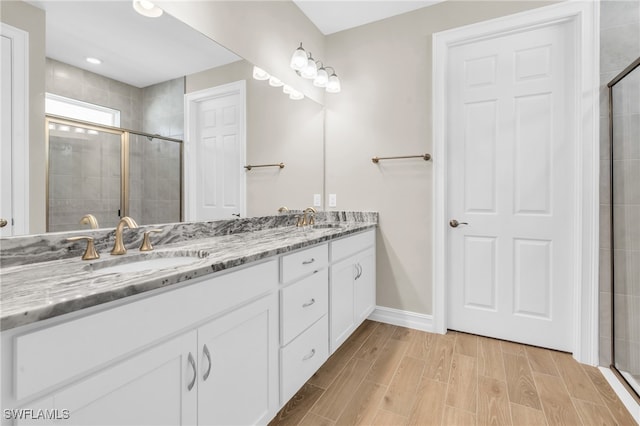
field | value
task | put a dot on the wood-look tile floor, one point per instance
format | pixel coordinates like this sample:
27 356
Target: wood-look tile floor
388 375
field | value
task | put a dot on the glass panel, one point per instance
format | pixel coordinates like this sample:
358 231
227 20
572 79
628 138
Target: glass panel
626 227
155 176
84 176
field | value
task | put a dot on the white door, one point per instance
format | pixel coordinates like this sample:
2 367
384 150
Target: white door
216 154
14 131
6 209
510 186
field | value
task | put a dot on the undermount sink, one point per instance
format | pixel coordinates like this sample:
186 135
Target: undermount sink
140 263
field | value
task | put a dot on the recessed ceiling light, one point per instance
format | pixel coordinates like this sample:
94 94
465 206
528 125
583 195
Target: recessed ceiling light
94 61
146 8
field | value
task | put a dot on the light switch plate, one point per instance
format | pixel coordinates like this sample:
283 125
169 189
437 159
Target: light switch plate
332 200
317 200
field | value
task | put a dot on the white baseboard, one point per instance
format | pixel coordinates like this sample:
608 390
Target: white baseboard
623 394
402 318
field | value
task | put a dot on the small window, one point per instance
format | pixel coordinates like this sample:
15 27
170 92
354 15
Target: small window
83 111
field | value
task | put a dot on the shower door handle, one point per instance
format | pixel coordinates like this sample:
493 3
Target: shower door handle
454 223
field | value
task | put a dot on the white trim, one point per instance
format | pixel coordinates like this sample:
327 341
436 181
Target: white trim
585 15
20 137
189 178
402 318
628 401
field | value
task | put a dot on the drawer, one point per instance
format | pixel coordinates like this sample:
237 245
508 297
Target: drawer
303 262
53 355
347 246
303 303
302 358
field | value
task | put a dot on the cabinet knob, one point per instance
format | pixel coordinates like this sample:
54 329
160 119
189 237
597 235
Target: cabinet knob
3 222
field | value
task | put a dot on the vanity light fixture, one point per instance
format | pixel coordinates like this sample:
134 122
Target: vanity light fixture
275 82
295 95
299 59
333 84
147 8
322 77
260 74
311 70
94 61
307 67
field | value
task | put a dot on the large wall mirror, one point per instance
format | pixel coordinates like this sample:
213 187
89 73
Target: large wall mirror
148 65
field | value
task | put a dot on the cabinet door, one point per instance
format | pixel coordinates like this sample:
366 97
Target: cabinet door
341 314
155 387
365 285
238 362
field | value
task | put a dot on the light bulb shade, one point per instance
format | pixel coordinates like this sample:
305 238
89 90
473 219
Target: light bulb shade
260 74
287 89
147 8
321 78
299 59
333 85
295 95
275 82
311 70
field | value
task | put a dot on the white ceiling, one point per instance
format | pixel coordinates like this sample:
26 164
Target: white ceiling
134 49
331 16
143 51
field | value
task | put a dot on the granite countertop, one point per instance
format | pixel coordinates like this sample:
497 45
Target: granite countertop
37 291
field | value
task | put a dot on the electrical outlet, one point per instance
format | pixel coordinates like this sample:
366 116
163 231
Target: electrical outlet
317 200
332 200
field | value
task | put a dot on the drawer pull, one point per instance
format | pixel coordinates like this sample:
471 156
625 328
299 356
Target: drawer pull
309 303
308 262
195 374
206 352
309 355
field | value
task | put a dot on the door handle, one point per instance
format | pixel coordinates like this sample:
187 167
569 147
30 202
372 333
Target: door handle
195 374
454 223
206 352
3 223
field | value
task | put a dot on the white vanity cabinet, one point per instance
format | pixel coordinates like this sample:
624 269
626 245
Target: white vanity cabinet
304 332
205 353
352 287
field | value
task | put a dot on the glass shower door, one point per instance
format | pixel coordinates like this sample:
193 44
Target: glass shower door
84 176
625 202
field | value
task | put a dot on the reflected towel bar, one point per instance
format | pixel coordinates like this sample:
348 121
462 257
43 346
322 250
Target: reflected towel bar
249 167
425 157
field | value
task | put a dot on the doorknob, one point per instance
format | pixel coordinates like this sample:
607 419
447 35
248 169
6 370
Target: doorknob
454 223
3 223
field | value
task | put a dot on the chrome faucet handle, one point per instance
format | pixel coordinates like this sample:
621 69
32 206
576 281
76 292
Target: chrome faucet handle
90 252
146 242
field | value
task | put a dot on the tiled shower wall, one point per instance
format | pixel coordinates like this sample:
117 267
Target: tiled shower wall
619 46
155 165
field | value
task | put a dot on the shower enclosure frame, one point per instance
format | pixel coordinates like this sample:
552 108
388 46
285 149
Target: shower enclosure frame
124 158
628 70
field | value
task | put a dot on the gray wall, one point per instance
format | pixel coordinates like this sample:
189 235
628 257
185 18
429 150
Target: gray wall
619 46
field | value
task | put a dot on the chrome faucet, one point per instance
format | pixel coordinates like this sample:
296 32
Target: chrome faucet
118 246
